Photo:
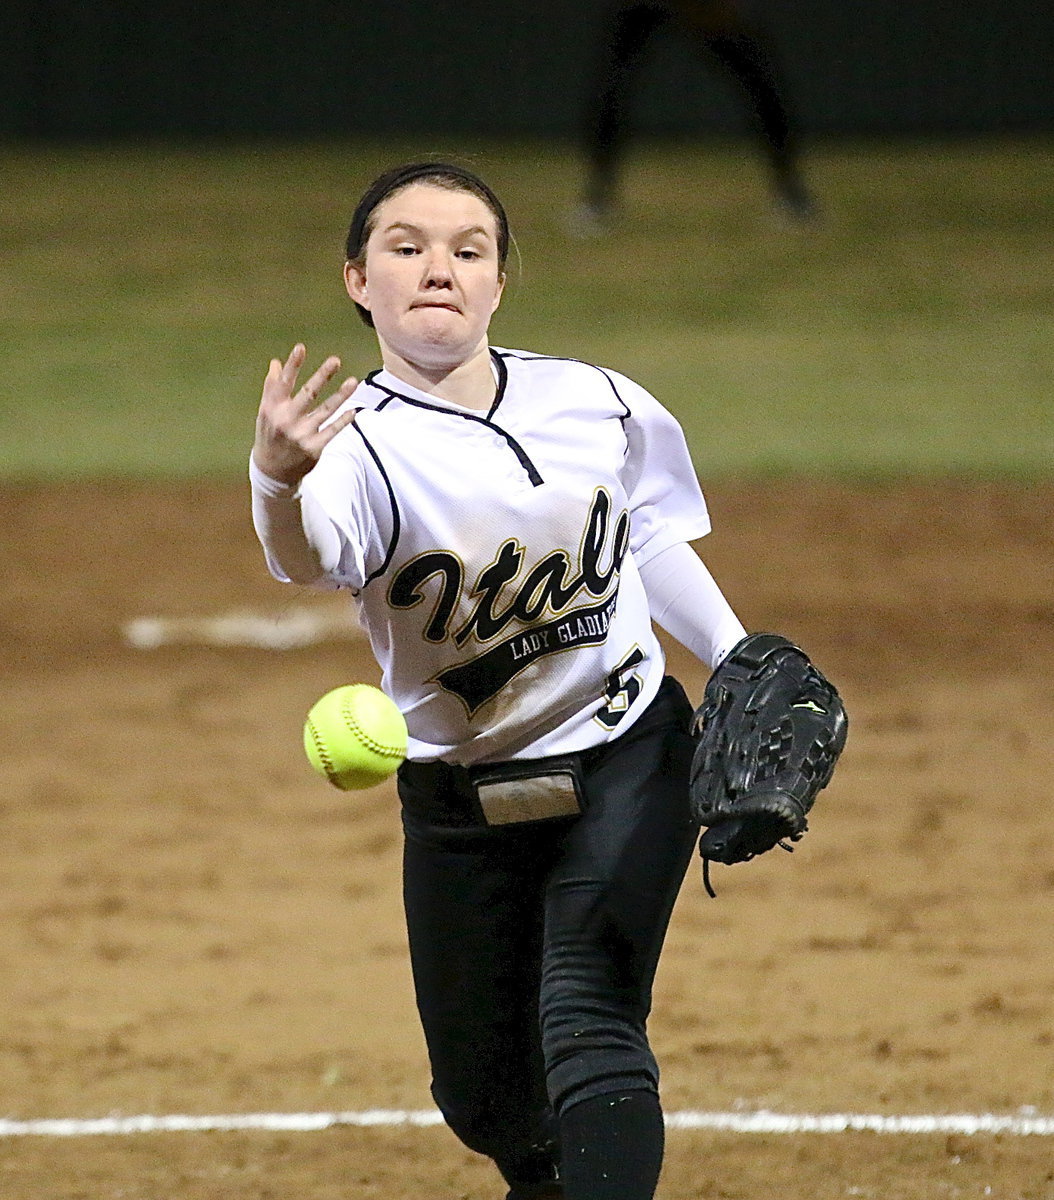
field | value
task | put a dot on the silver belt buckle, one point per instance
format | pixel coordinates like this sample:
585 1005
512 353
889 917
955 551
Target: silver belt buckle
513 796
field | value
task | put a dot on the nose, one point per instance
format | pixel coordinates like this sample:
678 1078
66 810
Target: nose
438 271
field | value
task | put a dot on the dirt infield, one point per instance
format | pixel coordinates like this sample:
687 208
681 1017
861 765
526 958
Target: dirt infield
195 923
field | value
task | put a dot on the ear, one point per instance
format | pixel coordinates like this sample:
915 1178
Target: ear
355 284
498 291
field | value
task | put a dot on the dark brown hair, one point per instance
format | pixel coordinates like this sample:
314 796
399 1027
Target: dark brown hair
439 174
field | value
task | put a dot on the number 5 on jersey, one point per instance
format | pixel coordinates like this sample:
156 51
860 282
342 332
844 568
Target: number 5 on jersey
623 688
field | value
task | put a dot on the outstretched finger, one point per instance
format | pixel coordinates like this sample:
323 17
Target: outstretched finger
309 393
324 418
333 402
291 366
274 387
331 428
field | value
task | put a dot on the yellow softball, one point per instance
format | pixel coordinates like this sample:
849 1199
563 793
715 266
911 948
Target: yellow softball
355 736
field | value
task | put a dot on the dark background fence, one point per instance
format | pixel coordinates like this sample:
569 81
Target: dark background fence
119 68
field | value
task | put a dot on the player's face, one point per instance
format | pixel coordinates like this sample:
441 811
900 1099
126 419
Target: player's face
430 278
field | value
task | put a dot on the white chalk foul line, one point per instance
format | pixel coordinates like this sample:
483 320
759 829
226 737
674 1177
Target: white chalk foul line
770 1122
1024 1123
279 1122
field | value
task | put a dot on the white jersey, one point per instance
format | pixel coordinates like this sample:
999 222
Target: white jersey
495 555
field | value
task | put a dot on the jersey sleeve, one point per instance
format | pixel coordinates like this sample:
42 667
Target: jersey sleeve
345 511
278 519
326 534
666 502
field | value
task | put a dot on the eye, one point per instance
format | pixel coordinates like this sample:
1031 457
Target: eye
468 254
405 251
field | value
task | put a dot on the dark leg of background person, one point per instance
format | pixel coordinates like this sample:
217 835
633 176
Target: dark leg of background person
628 28
741 47
726 31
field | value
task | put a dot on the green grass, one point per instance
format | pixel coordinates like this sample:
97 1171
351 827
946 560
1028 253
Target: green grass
144 289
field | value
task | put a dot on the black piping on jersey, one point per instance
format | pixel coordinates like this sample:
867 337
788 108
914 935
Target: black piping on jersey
503 377
555 358
396 522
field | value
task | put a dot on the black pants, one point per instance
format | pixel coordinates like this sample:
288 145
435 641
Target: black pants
534 946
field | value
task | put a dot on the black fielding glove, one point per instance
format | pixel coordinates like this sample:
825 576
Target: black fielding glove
768 734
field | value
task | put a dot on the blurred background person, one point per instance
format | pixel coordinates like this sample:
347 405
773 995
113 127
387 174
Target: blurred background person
731 36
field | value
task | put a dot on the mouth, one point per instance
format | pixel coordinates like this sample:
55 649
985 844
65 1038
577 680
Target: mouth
442 304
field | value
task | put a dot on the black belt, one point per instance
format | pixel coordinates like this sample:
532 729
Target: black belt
501 793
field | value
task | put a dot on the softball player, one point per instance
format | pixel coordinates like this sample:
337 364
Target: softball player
728 34
510 525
